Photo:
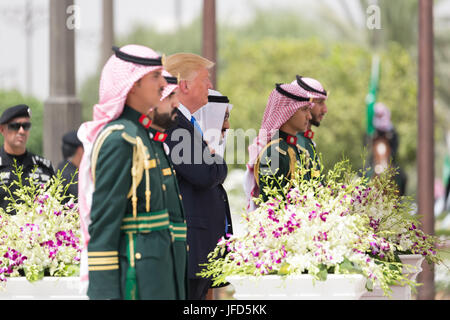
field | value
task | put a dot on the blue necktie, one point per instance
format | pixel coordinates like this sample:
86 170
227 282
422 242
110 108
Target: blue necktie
196 125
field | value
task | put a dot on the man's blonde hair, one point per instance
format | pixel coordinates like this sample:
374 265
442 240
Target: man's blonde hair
186 65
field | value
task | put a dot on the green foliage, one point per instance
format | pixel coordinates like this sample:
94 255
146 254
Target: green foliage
399 24
14 97
400 21
185 39
279 23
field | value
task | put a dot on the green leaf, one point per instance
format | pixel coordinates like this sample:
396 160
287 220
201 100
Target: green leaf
323 273
32 274
284 269
347 265
72 270
369 285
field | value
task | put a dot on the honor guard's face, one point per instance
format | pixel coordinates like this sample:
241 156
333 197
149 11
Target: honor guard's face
301 118
16 133
170 104
318 111
149 89
165 115
198 88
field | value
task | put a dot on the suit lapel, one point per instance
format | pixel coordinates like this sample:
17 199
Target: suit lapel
183 122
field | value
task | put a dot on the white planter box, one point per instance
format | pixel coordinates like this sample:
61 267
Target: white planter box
298 287
413 266
49 288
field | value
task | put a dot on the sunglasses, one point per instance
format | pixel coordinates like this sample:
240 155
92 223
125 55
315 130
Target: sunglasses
15 126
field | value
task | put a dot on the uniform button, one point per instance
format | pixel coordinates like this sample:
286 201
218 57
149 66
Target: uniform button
164 187
138 255
187 248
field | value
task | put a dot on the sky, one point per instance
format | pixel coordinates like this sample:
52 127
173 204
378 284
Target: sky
160 14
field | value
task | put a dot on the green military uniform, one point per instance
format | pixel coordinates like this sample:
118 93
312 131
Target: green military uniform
137 247
304 139
279 158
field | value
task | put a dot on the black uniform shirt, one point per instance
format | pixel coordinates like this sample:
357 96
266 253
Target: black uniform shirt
67 174
44 171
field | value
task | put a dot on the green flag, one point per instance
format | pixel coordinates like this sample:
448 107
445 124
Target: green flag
371 97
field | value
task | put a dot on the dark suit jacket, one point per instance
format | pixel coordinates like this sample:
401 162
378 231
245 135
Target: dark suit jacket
200 176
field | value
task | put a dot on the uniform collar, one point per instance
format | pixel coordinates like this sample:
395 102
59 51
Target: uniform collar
309 134
288 138
136 116
145 121
157 135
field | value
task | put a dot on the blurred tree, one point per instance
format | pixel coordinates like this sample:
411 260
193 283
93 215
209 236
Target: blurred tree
280 23
14 97
399 24
185 39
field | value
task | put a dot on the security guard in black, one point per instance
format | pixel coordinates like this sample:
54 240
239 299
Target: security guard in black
14 126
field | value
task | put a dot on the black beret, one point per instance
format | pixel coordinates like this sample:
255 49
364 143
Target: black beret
71 139
21 110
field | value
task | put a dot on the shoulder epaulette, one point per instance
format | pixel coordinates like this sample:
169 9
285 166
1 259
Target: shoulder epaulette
37 159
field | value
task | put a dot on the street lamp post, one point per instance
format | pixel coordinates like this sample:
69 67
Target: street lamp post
107 30
62 109
209 50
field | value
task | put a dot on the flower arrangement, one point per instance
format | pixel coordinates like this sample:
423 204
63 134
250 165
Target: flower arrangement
39 232
392 219
338 223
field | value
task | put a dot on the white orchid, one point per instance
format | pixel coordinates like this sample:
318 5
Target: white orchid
43 236
346 225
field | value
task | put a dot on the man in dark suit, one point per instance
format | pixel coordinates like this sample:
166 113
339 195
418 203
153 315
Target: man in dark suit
199 170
